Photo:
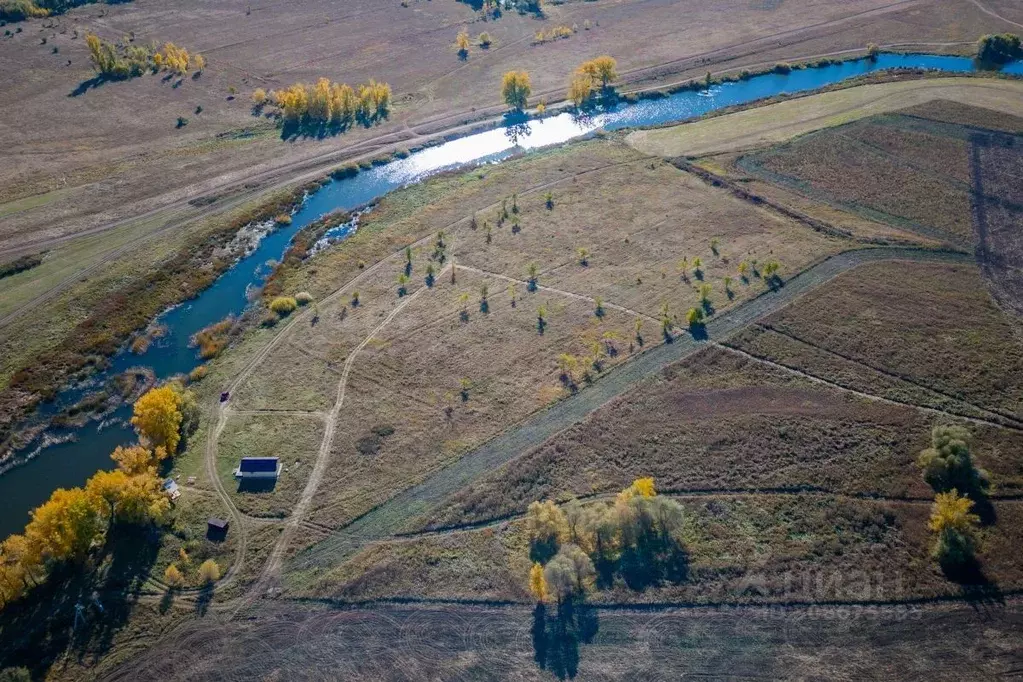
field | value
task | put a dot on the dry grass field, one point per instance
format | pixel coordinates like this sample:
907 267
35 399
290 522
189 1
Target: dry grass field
493 336
403 362
99 169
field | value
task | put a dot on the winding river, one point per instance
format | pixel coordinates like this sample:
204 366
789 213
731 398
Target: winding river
70 463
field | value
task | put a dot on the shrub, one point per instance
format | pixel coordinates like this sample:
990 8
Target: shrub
209 571
172 576
259 97
283 219
872 51
283 305
782 67
485 40
998 49
303 298
198 373
948 464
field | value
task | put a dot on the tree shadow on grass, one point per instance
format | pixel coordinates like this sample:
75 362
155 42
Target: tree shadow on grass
558 633
40 630
87 85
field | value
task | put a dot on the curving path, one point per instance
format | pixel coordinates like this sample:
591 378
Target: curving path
392 516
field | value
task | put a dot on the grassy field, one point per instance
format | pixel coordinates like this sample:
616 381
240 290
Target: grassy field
785 120
951 338
294 439
403 360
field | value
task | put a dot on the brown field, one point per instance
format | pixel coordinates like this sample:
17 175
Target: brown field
789 435
951 338
305 642
903 169
401 361
739 426
742 548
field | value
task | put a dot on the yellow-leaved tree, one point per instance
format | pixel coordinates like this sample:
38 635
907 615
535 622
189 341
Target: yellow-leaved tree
209 571
157 417
172 576
515 88
65 526
537 582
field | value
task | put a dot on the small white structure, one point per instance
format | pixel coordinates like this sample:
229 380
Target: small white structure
258 467
170 487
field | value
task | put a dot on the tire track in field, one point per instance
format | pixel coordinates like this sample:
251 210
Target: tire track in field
391 516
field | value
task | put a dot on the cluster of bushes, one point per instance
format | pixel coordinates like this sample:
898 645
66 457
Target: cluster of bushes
329 103
125 59
65 528
637 538
213 339
999 48
948 467
552 34
18 10
591 77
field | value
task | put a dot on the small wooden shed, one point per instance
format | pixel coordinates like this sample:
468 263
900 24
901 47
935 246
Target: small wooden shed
216 529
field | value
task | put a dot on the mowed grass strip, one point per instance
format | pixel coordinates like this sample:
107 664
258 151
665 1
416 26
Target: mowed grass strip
782 121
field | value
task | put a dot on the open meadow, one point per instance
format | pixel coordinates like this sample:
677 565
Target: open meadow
739 396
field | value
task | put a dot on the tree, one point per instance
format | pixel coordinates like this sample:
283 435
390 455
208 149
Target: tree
743 270
102 54
998 49
547 528
462 43
705 290
584 256
948 464
694 318
570 573
872 51
66 526
157 417
172 576
485 40
135 459
603 70
515 88
955 527
198 62
537 582
175 59
580 88
533 271
259 97
209 571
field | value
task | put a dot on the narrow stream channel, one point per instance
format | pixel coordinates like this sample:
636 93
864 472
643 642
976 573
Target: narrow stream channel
70 463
